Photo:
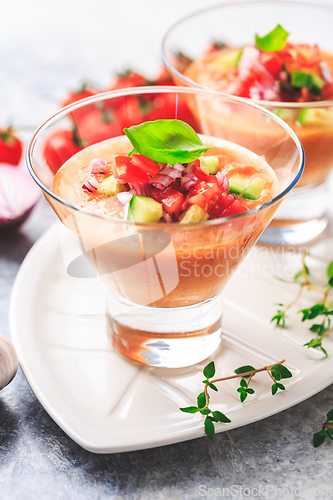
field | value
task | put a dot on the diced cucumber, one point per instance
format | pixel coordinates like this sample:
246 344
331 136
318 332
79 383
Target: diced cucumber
209 164
317 85
285 114
110 187
315 116
301 79
193 214
228 59
238 184
253 191
144 209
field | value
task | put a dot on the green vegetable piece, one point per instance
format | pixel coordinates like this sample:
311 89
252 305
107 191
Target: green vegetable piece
300 79
220 417
314 116
253 190
228 59
190 409
319 438
110 187
330 270
201 400
329 415
285 114
238 184
144 209
209 428
166 141
244 369
209 164
275 40
209 370
193 214
281 370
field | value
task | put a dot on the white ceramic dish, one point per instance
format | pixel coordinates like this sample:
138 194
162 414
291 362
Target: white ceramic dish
107 404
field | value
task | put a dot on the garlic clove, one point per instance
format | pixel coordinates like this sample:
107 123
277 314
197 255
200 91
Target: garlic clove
8 361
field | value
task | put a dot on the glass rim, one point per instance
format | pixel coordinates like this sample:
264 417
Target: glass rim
230 3
157 90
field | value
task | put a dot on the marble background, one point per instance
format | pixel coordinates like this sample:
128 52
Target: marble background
47 48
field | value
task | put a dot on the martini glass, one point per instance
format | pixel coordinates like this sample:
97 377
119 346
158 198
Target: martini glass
164 282
304 215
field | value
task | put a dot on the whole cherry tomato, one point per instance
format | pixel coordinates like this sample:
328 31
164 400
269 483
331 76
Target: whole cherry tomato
81 93
10 147
127 79
59 147
98 126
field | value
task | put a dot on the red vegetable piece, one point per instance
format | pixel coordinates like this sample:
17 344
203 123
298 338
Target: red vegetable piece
127 172
272 62
10 147
172 201
82 93
235 208
59 147
98 126
145 164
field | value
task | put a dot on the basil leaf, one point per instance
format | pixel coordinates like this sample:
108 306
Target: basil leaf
275 40
166 141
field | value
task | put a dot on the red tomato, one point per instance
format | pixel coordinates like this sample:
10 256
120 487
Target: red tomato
131 111
59 147
172 200
235 208
210 197
127 79
272 62
75 96
168 106
127 172
145 164
98 126
10 147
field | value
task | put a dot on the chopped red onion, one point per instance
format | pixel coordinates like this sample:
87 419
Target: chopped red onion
90 186
167 175
98 166
188 180
18 196
325 71
249 56
124 197
140 188
222 180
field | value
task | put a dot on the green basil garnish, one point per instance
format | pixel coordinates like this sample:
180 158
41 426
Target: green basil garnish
166 141
273 41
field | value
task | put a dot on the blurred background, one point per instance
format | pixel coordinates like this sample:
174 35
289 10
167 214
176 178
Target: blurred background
50 47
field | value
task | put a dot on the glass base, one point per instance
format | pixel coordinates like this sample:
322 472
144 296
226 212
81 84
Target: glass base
301 218
165 337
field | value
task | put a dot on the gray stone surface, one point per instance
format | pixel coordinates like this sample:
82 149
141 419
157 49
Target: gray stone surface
46 48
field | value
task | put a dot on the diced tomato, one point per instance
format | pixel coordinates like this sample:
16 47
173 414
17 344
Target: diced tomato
235 208
209 197
200 174
127 172
271 62
145 164
172 201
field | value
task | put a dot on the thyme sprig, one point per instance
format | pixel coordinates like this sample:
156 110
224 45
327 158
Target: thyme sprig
326 430
321 310
276 372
